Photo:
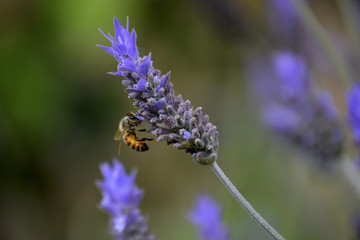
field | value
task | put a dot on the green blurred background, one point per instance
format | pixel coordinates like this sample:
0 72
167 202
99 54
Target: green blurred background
59 110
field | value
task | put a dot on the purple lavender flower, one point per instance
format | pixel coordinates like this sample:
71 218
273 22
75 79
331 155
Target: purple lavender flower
293 109
206 216
353 100
285 10
171 118
120 198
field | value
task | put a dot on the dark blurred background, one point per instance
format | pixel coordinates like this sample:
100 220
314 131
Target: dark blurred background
59 110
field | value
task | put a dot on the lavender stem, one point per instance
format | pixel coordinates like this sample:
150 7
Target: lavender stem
351 175
319 34
244 203
349 14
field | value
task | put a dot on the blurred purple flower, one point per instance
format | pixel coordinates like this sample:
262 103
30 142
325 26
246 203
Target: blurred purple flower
292 108
292 76
282 17
290 120
357 163
171 118
206 216
353 101
120 198
285 10
356 225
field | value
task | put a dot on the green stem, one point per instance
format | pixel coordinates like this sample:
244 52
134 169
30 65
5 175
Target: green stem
350 16
244 203
351 175
319 34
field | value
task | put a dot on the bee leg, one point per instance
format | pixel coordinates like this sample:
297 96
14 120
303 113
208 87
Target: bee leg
142 130
145 139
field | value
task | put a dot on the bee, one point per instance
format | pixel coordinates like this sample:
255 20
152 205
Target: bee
126 132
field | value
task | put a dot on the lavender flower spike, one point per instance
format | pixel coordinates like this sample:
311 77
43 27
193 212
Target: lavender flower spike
295 109
120 198
171 118
206 217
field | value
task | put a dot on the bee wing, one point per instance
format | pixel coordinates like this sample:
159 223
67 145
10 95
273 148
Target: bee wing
120 142
118 135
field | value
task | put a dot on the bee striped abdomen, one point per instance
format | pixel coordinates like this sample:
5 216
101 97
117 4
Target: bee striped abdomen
130 139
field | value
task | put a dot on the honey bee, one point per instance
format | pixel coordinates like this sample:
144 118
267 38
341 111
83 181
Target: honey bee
126 132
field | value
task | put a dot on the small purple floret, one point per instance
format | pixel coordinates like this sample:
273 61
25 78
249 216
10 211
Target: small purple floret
186 135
